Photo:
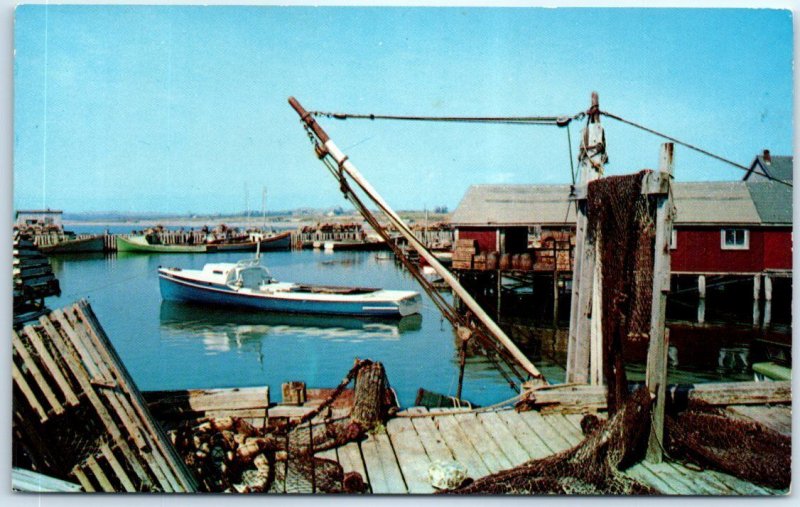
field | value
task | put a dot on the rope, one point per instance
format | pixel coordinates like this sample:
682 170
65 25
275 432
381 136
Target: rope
560 121
692 147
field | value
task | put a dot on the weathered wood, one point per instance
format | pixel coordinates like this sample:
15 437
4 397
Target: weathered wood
23 386
657 351
50 364
33 368
34 482
722 393
776 417
549 435
368 408
393 475
530 440
504 438
83 480
374 466
351 460
178 473
108 454
411 455
168 404
458 443
98 473
488 450
432 440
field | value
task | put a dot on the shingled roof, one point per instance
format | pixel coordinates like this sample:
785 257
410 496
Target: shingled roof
697 203
778 167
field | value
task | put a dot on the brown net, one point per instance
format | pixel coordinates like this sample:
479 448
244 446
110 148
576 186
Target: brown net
621 227
231 455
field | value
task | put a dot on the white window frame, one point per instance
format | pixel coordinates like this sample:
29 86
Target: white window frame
725 246
673 240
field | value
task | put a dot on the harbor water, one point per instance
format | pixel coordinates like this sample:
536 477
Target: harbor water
167 345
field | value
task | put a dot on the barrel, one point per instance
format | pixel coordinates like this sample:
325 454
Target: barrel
525 262
505 261
491 260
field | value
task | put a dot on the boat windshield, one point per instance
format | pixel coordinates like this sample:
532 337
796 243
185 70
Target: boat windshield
253 277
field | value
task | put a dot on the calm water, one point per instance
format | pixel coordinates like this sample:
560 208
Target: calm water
175 346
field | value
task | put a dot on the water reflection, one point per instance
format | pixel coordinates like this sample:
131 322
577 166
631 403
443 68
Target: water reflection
222 330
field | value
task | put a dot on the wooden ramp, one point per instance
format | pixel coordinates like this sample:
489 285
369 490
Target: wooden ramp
396 460
78 415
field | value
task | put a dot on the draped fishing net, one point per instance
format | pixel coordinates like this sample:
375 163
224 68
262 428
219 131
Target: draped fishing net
621 226
231 455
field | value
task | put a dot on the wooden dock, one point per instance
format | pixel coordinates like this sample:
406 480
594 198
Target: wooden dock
396 460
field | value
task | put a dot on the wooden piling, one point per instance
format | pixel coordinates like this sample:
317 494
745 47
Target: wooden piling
659 337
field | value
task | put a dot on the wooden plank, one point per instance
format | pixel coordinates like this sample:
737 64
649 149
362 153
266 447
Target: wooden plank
351 460
459 444
105 484
718 393
374 466
573 435
33 368
33 482
414 461
391 468
83 480
328 454
775 418
502 436
430 437
50 364
529 439
19 379
108 454
551 437
203 400
488 450
660 484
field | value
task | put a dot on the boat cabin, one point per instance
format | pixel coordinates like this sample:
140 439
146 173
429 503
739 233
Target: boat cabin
245 274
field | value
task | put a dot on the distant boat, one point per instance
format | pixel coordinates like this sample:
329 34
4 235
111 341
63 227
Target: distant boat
70 243
354 245
150 244
248 284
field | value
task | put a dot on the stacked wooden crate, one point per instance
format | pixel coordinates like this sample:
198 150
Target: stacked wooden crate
79 417
32 275
465 250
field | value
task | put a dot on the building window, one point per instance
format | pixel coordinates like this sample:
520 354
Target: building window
673 240
735 239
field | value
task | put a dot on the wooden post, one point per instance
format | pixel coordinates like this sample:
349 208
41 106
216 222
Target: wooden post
369 396
592 156
701 302
767 300
657 353
756 300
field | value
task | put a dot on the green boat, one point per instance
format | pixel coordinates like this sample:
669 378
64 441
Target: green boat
151 244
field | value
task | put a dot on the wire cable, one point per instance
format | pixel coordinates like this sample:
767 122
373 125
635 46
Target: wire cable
560 121
693 147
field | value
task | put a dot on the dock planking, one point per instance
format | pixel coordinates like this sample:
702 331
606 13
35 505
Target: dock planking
485 442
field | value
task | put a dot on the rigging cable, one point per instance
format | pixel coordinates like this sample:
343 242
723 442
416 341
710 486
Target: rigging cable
560 121
692 147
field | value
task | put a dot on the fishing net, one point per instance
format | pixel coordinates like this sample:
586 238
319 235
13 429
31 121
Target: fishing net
231 455
708 437
593 467
621 227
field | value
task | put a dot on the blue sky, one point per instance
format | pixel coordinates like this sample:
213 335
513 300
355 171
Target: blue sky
181 109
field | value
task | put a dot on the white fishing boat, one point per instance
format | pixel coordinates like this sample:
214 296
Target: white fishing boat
248 284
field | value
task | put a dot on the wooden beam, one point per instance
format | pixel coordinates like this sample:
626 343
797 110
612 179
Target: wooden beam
656 377
719 394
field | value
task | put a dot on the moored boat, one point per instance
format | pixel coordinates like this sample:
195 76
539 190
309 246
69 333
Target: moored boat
150 244
72 244
248 284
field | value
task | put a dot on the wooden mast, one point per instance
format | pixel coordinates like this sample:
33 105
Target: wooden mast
346 166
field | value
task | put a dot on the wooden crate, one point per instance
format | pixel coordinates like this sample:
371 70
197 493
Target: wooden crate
466 264
466 243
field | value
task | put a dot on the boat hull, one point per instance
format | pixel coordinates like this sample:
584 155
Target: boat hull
177 289
83 245
139 244
278 242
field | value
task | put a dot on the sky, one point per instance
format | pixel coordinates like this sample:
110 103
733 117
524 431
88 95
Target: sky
184 109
